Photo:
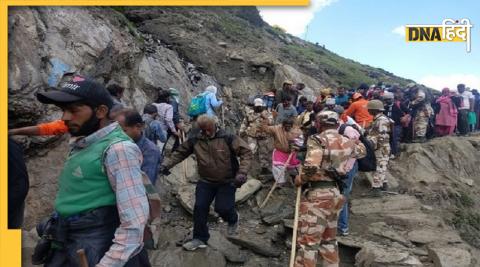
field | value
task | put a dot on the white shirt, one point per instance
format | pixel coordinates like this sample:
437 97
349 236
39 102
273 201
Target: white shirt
466 96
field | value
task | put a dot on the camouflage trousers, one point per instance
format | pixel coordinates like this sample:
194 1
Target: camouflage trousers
317 227
383 156
261 149
420 124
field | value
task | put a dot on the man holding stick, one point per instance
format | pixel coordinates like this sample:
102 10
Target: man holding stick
321 201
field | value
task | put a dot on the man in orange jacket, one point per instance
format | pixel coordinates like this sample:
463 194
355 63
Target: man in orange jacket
358 111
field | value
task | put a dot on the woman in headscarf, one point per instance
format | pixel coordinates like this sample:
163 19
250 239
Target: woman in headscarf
165 114
212 101
175 102
446 119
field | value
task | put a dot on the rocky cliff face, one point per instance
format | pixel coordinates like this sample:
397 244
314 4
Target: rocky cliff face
144 48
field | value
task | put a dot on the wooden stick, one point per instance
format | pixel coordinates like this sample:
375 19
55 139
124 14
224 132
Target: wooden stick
223 117
82 257
182 140
295 226
275 184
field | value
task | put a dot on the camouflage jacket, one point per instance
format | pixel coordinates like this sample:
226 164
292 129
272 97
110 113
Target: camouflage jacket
379 131
252 123
329 149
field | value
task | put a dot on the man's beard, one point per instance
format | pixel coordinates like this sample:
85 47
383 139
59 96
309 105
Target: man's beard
89 127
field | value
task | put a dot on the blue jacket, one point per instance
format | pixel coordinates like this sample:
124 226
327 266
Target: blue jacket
152 158
212 102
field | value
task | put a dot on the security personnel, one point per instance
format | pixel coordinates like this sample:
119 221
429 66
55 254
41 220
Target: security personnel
379 135
327 154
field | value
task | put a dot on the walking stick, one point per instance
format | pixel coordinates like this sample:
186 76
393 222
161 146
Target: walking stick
82 258
275 184
182 140
223 117
295 225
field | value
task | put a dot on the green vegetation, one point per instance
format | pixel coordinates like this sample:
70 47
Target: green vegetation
465 218
465 200
124 22
467 222
344 71
278 30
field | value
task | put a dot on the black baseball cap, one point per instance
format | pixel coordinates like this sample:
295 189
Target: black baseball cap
83 90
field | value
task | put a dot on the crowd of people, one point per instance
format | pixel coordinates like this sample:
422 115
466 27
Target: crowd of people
106 198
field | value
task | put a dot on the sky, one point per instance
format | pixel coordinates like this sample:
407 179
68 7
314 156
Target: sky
371 32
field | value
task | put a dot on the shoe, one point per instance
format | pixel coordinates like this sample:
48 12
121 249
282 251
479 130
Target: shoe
375 192
384 187
194 244
232 229
343 233
392 157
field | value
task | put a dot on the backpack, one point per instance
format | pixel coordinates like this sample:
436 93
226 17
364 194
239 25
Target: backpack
233 158
369 162
198 105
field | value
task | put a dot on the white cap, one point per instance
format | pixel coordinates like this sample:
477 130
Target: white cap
258 102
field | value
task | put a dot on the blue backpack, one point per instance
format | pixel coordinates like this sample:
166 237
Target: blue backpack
198 105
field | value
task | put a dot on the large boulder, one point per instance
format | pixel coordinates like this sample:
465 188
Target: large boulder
447 256
255 243
247 190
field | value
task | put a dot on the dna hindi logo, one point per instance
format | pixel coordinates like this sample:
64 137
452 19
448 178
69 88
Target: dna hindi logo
449 31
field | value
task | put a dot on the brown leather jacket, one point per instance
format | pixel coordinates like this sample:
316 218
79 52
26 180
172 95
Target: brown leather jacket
213 156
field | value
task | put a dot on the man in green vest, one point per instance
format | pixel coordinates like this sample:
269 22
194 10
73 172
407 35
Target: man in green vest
101 204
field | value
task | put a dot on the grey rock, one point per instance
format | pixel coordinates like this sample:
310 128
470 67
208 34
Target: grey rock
388 204
382 229
429 235
286 213
186 196
413 219
375 255
235 55
288 223
247 190
254 243
167 208
449 256
231 252
177 257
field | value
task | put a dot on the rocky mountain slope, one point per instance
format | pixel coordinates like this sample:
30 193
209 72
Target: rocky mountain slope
143 48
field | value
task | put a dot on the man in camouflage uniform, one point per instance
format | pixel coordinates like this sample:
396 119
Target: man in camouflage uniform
379 134
421 113
258 141
321 201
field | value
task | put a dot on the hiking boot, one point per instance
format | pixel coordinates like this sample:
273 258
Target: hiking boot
233 229
194 244
384 187
375 192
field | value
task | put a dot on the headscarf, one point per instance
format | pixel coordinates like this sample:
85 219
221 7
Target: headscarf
174 93
445 90
211 89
